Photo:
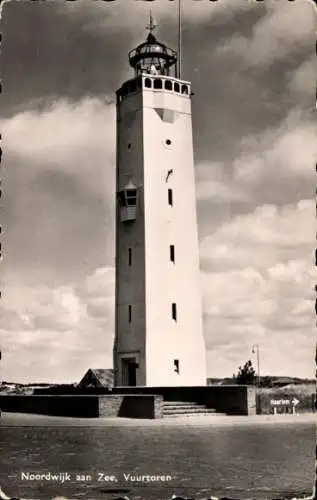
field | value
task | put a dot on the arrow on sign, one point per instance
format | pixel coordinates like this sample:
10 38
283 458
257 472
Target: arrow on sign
295 401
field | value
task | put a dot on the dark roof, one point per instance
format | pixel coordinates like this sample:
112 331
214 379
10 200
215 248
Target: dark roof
103 375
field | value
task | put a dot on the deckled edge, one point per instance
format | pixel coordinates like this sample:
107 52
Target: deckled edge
313 496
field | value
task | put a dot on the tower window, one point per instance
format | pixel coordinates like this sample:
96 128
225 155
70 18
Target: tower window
148 82
174 312
130 256
127 198
172 253
176 365
176 87
168 142
130 313
131 197
168 85
184 89
129 145
158 83
170 197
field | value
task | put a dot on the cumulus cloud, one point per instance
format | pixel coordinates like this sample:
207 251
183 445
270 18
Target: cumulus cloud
258 222
275 166
257 286
58 333
59 181
119 12
269 234
257 280
71 137
257 283
213 182
285 28
301 82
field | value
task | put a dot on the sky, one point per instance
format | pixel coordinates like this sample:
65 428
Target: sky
251 65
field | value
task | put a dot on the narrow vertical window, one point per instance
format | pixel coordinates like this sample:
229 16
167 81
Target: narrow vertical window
172 253
176 365
170 197
130 313
174 312
130 256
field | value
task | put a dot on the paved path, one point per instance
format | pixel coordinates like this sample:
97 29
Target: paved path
16 419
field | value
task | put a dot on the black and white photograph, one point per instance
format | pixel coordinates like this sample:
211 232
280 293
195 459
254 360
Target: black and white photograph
157 331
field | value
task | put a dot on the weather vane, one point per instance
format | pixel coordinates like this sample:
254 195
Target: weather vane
151 26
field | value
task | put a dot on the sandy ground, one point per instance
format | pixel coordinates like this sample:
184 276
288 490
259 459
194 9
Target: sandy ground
16 419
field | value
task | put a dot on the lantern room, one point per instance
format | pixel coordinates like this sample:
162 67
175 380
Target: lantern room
153 57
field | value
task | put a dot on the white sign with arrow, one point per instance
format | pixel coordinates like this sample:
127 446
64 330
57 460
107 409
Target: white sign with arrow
285 402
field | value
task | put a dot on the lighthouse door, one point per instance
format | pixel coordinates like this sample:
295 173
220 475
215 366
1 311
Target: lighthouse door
132 373
129 367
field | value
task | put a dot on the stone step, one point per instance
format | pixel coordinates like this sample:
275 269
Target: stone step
182 403
194 415
186 408
175 403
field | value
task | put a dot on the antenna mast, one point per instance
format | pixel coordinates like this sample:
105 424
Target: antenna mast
179 38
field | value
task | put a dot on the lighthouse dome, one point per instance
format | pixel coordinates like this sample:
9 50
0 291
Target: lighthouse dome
152 56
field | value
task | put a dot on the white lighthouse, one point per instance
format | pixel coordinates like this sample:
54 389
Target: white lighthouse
158 328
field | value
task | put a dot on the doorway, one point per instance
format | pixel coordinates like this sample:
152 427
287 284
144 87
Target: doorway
129 367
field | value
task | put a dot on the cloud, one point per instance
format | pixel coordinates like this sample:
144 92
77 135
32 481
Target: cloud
257 281
121 14
287 150
301 82
266 236
55 334
285 28
71 137
60 181
214 184
254 185
257 285
275 166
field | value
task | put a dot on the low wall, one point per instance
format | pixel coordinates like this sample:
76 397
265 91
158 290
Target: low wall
87 406
61 406
233 400
132 406
230 399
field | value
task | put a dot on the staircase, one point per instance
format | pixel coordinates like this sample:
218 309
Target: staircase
187 409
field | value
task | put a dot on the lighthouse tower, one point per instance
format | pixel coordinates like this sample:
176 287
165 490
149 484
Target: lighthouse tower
158 327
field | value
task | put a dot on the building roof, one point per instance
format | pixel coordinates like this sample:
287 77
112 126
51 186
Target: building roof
103 375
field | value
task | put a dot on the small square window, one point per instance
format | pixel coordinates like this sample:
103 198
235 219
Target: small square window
174 311
172 253
170 197
131 197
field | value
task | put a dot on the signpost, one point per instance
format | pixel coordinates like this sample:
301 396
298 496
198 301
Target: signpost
294 403
284 403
